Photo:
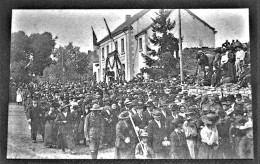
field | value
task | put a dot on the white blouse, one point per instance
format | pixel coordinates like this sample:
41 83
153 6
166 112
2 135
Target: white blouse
209 136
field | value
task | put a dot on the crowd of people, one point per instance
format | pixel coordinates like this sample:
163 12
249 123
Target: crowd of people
141 119
229 64
150 119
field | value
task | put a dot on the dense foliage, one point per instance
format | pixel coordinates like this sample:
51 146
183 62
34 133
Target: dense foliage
167 46
35 57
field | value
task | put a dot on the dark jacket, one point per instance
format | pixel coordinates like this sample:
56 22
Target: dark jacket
36 114
246 148
147 117
122 132
138 121
156 135
65 128
179 147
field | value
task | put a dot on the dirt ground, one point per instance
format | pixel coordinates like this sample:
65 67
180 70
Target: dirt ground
20 146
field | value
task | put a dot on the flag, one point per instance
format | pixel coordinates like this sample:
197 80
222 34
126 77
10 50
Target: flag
110 34
95 43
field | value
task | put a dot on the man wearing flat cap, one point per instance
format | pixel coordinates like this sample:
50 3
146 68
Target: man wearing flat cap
157 132
148 113
138 118
174 114
94 129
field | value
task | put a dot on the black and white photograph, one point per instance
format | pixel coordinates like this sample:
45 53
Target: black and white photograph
130 84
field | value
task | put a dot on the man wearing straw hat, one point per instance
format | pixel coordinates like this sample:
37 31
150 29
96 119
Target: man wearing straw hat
94 129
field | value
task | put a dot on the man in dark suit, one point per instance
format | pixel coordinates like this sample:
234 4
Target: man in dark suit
148 113
35 116
174 114
164 110
138 118
157 133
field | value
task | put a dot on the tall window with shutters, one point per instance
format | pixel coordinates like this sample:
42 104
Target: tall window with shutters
140 44
116 45
103 53
122 46
107 49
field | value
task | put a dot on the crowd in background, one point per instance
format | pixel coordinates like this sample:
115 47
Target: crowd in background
229 64
144 119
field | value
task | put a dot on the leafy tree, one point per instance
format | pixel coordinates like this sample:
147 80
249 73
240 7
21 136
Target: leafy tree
41 46
20 47
75 63
18 73
167 45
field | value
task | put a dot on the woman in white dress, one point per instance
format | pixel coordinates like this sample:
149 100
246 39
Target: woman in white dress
19 98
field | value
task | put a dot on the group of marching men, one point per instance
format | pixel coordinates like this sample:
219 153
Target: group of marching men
142 120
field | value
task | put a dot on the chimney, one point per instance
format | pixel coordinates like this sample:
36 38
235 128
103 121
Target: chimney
127 17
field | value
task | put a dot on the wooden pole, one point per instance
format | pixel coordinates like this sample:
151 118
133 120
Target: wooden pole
180 47
136 131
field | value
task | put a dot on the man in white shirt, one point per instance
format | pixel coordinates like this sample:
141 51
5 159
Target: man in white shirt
240 56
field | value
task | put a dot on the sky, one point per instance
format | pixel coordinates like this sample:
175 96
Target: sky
75 25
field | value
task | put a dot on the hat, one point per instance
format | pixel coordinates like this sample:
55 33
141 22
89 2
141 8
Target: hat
106 103
247 100
127 101
221 113
163 103
94 101
156 112
248 107
238 107
239 112
134 103
124 115
174 107
210 118
64 106
200 52
247 125
230 98
238 95
193 108
95 107
177 121
149 104
144 134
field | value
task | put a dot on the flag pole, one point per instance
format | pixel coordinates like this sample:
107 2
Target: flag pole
180 47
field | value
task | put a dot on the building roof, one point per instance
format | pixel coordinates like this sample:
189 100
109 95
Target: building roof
137 16
125 25
202 21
